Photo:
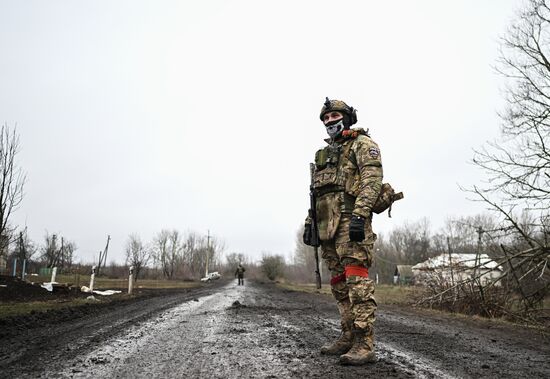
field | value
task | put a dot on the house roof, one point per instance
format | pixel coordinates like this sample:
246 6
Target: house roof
458 260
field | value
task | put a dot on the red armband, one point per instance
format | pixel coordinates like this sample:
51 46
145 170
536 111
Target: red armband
356 271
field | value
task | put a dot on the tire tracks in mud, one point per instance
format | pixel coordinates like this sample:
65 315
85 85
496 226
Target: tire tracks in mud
261 331
27 352
255 331
465 347
240 332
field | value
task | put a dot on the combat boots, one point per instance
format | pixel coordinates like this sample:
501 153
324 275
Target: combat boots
343 343
340 346
362 351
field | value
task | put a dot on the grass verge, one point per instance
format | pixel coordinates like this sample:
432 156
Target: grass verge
19 309
107 283
384 293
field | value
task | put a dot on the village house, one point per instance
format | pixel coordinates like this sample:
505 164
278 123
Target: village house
403 275
455 268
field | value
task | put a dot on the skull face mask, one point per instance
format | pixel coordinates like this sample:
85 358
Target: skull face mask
335 128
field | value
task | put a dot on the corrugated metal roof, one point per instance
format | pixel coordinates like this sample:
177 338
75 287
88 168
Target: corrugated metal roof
458 260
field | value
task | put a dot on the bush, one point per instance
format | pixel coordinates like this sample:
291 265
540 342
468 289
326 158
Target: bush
273 266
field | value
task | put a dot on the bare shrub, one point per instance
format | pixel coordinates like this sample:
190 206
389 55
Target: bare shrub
517 167
273 266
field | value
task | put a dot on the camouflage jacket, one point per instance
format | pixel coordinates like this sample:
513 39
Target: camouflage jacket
347 179
240 271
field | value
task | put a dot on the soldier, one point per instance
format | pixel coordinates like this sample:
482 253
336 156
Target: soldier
347 181
239 273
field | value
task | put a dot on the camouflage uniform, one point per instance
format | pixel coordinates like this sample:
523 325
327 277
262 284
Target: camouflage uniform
239 273
347 181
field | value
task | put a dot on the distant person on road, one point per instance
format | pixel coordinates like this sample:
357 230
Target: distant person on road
347 181
239 273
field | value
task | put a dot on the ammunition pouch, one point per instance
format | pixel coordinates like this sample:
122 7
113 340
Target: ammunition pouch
329 211
386 199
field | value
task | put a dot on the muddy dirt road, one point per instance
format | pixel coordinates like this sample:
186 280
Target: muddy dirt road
260 331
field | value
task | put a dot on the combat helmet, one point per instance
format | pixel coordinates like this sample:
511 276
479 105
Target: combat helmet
350 114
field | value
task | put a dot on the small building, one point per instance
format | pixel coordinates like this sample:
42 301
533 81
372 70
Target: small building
403 275
454 268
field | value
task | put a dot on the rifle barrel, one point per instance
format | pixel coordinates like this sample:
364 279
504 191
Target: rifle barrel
315 233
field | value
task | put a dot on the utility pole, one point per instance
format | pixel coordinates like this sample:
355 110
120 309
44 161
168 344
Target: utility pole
207 252
22 255
54 254
478 252
103 256
62 252
22 250
450 261
131 280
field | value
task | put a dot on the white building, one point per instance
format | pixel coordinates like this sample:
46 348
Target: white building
457 268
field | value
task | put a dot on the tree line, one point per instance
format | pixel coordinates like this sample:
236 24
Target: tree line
175 254
169 255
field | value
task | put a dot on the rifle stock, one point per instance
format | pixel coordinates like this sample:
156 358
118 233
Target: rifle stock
314 231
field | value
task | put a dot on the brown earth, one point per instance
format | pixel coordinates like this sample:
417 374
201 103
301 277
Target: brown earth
13 289
222 330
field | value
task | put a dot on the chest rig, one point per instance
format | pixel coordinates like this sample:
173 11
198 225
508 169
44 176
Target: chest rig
336 185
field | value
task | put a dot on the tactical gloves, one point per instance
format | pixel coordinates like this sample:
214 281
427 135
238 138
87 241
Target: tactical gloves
357 229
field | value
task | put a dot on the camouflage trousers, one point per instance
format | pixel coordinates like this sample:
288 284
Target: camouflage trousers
354 294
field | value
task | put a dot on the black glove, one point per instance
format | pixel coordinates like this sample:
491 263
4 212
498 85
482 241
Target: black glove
307 234
357 229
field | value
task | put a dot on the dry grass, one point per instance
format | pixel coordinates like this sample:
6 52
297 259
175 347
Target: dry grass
19 309
384 293
106 283
400 295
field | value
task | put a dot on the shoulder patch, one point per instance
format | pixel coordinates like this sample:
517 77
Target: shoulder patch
374 152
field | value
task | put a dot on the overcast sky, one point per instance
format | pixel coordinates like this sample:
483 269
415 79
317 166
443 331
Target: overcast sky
203 115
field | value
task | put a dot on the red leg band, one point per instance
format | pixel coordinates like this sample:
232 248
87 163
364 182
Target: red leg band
356 271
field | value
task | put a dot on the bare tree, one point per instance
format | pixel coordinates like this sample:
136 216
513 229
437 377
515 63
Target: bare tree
190 245
160 247
51 251
195 250
24 247
518 164
68 249
233 260
12 182
168 251
386 259
57 251
459 234
137 255
304 255
411 241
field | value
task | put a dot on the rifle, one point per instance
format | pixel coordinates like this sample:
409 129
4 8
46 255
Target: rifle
313 228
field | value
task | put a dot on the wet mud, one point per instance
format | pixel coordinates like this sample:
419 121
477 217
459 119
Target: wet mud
260 331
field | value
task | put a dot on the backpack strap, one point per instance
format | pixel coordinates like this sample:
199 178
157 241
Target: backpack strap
394 198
